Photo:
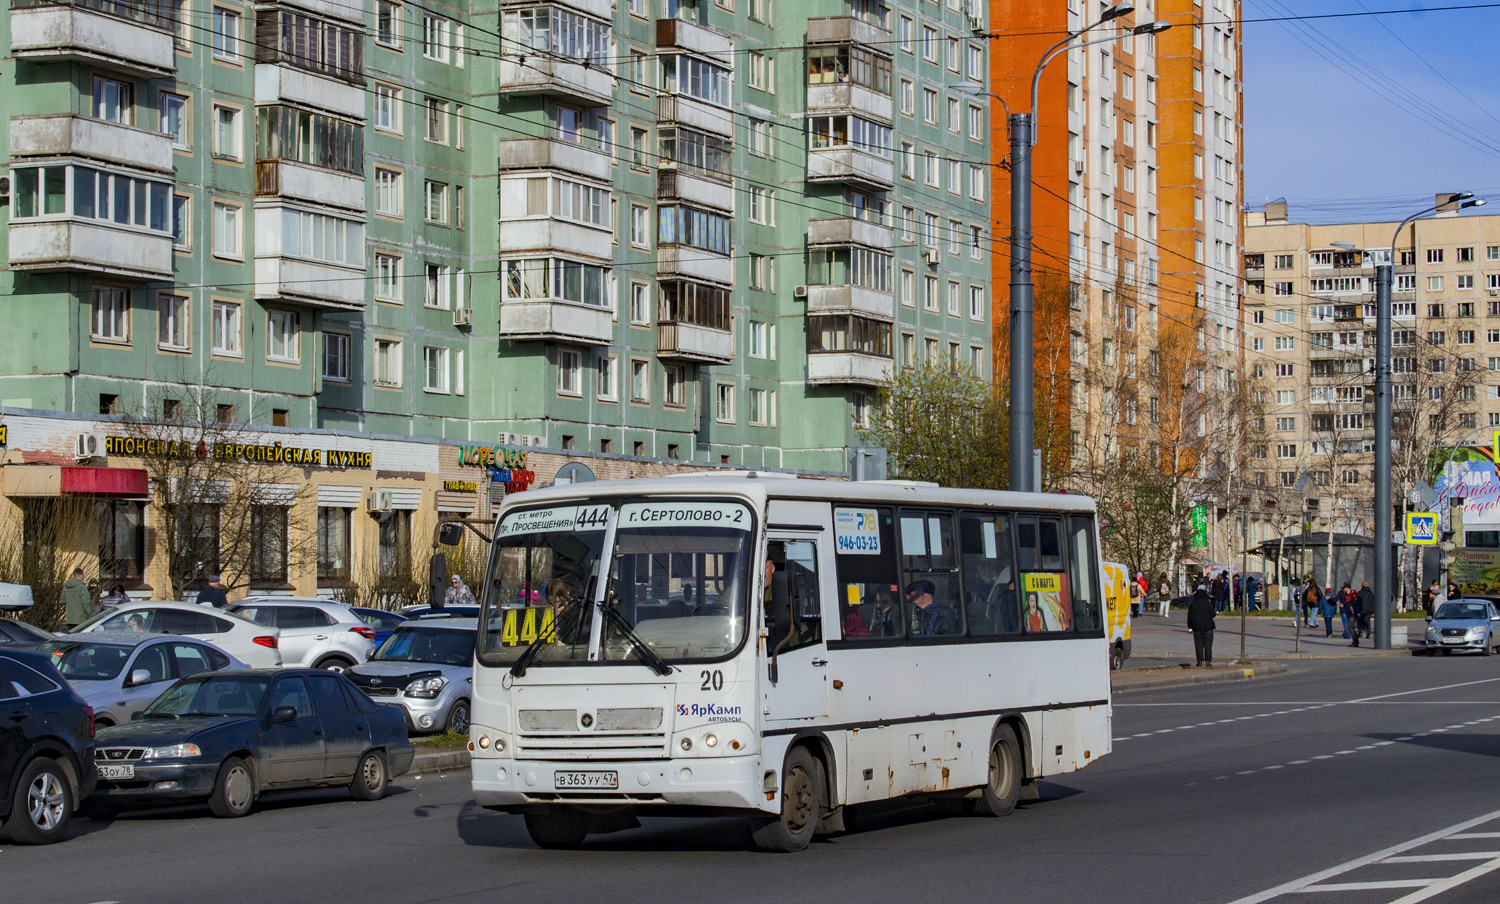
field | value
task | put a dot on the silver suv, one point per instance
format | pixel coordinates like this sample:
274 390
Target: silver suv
314 633
428 668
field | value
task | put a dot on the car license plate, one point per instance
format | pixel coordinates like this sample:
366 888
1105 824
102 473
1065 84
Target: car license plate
120 771
607 781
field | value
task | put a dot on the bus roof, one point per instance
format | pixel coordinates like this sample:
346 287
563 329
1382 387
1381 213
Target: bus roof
760 486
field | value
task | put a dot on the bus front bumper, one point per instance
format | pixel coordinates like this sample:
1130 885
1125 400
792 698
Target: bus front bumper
723 783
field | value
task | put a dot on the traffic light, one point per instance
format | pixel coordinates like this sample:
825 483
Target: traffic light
1312 502
1448 547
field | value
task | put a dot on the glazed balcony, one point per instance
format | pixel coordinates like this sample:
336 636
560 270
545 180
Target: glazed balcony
851 300
848 30
680 34
692 342
313 284
551 153
96 139
302 182
286 84
554 320
92 246
540 74
675 182
683 110
125 36
849 231
693 263
849 164
848 368
546 235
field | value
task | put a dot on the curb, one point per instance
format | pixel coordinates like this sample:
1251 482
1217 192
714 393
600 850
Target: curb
1178 676
427 762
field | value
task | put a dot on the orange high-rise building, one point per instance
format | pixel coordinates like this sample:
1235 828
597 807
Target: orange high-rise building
1136 193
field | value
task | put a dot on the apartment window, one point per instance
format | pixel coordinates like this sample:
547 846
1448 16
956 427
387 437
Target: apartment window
762 206
930 294
1434 255
388 24
387 276
435 361
387 108
640 383
175 120
229 132
640 226
1465 337
436 38
337 348
929 43
1463 282
1283 289
172 330
1285 370
436 202
388 362
226 37
976 303
605 387
110 310
904 29
228 232
757 10
283 336
388 192
761 72
640 304
761 338
435 292
674 385
760 138
954 291
929 106
762 411
437 120
908 160
182 221
908 97
724 403
1286 424
227 328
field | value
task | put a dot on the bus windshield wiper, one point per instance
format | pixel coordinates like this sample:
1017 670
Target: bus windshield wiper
648 655
533 649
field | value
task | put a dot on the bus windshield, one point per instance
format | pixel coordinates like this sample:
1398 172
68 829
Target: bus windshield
675 581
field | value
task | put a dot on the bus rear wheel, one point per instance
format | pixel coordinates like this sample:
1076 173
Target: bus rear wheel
801 802
1000 793
558 827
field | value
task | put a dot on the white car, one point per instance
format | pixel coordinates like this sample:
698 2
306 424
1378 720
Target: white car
317 634
256 645
118 674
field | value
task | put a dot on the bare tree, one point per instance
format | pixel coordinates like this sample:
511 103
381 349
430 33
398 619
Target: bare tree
41 548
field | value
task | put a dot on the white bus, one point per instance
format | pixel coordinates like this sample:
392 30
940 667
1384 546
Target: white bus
782 648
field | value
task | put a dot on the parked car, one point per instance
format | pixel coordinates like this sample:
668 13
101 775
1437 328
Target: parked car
46 748
18 635
428 668
412 613
226 737
382 621
256 645
1464 624
118 674
317 634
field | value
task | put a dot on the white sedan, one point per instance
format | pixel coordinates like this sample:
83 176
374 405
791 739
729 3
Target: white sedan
258 646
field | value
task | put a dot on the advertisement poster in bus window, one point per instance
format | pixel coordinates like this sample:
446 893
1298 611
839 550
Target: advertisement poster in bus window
856 532
1048 607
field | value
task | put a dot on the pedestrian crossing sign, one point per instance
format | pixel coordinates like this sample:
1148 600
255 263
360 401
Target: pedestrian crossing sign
1421 528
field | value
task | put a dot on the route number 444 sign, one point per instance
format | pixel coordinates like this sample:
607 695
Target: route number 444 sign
1421 528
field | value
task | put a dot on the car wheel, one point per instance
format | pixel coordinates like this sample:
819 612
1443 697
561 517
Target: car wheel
371 778
334 664
1487 649
104 722
1116 658
1000 793
458 717
558 827
43 804
234 790
801 802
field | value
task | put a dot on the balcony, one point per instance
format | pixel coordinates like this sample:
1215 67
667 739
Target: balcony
847 98
278 84
847 231
848 30
693 263
848 368
687 111
558 321
851 300
128 38
695 38
599 9
691 342
326 287
77 136
334 9
541 74
847 164
677 183
551 235
290 179
92 246
550 153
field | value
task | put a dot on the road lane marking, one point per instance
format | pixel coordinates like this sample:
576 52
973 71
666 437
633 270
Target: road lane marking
1444 858
1474 836
1367 886
1425 690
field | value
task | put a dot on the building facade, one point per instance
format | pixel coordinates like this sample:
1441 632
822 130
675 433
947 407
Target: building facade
649 232
1135 200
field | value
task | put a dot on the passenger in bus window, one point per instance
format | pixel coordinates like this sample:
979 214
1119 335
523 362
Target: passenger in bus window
854 626
567 620
929 617
883 618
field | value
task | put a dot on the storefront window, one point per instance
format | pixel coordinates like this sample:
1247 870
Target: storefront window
120 540
395 545
333 545
268 552
197 555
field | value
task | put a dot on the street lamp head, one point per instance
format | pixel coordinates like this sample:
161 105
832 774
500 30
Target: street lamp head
972 88
1477 202
1151 28
1454 196
1116 11
1342 246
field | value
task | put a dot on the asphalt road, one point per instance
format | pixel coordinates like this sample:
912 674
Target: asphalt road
1332 775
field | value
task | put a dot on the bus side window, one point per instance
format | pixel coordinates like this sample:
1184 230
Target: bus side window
989 574
797 564
869 597
928 557
1083 573
1026 543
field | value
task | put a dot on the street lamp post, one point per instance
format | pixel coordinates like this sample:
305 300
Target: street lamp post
1383 279
1023 475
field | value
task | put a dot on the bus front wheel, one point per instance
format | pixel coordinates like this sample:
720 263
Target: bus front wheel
999 795
801 802
558 827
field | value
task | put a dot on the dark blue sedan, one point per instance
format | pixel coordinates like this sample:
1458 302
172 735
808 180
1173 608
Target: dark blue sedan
381 621
225 737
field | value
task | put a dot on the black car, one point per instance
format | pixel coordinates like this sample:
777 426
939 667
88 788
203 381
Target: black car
225 737
46 748
17 635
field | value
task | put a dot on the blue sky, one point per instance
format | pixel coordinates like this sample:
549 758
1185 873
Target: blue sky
1340 141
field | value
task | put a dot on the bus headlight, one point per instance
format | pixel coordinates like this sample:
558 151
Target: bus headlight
710 740
686 744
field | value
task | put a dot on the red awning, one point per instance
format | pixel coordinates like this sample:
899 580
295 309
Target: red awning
105 481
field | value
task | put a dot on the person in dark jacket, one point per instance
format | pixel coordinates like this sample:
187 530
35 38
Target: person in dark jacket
1200 620
1357 603
213 594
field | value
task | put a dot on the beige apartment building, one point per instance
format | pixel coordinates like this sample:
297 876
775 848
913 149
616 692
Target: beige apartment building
1310 347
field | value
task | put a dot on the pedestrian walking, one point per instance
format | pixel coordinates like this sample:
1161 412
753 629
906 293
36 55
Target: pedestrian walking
1365 607
1164 598
1200 620
1357 611
1330 608
1341 602
1252 590
1315 607
1309 600
1429 597
75 598
1219 590
213 594
458 593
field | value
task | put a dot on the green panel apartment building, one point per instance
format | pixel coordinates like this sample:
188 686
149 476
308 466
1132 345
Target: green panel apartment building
641 233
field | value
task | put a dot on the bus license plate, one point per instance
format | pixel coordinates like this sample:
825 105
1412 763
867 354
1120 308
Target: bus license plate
121 771
607 781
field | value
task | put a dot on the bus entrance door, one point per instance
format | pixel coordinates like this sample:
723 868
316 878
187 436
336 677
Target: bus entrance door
796 656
